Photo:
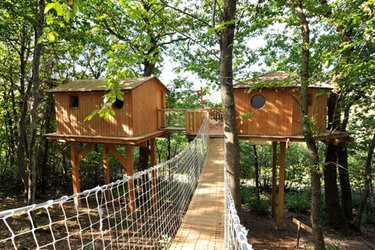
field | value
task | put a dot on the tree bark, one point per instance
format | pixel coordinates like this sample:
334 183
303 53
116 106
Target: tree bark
368 180
341 150
22 143
307 130
232 149
336 218
35 79
346 191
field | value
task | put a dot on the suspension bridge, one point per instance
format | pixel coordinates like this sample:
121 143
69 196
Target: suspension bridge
184 203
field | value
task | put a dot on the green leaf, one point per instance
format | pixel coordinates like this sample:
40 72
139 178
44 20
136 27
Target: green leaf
40 39
48 7
246 116
67 17
75 8
59 9
90 116
49 19
51 36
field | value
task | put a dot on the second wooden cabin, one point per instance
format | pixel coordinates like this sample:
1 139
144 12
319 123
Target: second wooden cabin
274 109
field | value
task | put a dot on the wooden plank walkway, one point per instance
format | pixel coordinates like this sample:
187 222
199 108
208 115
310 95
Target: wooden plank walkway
203 224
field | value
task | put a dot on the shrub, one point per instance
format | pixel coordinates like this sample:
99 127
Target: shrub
259 206
298 202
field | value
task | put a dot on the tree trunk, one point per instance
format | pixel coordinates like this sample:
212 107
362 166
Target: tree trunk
232 149
346 191
368 179
256 164
33 150
307 130
346 36
22 143
335 215
44 168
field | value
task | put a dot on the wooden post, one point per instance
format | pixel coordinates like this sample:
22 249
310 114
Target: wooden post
106 169
274 176
75 170
154 172
106 163
280 205
130 171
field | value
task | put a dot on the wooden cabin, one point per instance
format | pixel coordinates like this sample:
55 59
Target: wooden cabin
274 109
137 122
137 115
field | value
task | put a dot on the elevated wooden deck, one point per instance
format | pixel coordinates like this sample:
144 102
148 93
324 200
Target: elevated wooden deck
203 225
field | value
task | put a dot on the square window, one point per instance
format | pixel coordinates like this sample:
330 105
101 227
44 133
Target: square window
74 101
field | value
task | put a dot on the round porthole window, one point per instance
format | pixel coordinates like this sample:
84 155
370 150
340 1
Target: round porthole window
257 101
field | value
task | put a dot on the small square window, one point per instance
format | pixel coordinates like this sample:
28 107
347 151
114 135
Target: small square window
74 101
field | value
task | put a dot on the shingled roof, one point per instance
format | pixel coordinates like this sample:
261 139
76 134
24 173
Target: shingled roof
286 80
101 85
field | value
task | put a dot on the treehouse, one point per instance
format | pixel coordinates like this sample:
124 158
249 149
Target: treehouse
268 110
270 107
136 116
137 121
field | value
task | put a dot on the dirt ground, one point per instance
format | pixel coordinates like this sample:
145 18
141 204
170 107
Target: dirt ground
263 234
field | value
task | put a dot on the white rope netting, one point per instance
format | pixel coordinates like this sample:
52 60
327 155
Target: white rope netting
235 234
142 211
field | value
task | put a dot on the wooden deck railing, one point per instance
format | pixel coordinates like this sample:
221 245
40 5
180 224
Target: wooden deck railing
190 119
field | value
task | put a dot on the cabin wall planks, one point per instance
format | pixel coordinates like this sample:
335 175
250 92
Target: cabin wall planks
138 116
281 114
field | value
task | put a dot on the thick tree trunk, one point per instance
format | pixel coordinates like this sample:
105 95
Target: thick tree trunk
335 215
346 36
307 130
44 168
33 147
22 144
368 179
346 191
232 149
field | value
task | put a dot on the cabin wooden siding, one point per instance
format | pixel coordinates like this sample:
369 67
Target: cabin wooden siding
71 120
138 116
317 109
281 115
148 99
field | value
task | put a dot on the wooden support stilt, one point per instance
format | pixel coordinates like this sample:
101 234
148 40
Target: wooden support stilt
106 169
130 171
154 173
274 176
280 205
75 170
106 163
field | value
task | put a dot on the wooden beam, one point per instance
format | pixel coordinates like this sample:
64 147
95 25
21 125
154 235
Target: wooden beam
84 151
154 173
280 205
75 171
274 176
130 171
119 157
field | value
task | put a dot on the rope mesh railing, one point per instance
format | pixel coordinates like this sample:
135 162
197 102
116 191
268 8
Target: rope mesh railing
235 233
141 211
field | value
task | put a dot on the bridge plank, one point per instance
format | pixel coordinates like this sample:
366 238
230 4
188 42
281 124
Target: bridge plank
203 225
